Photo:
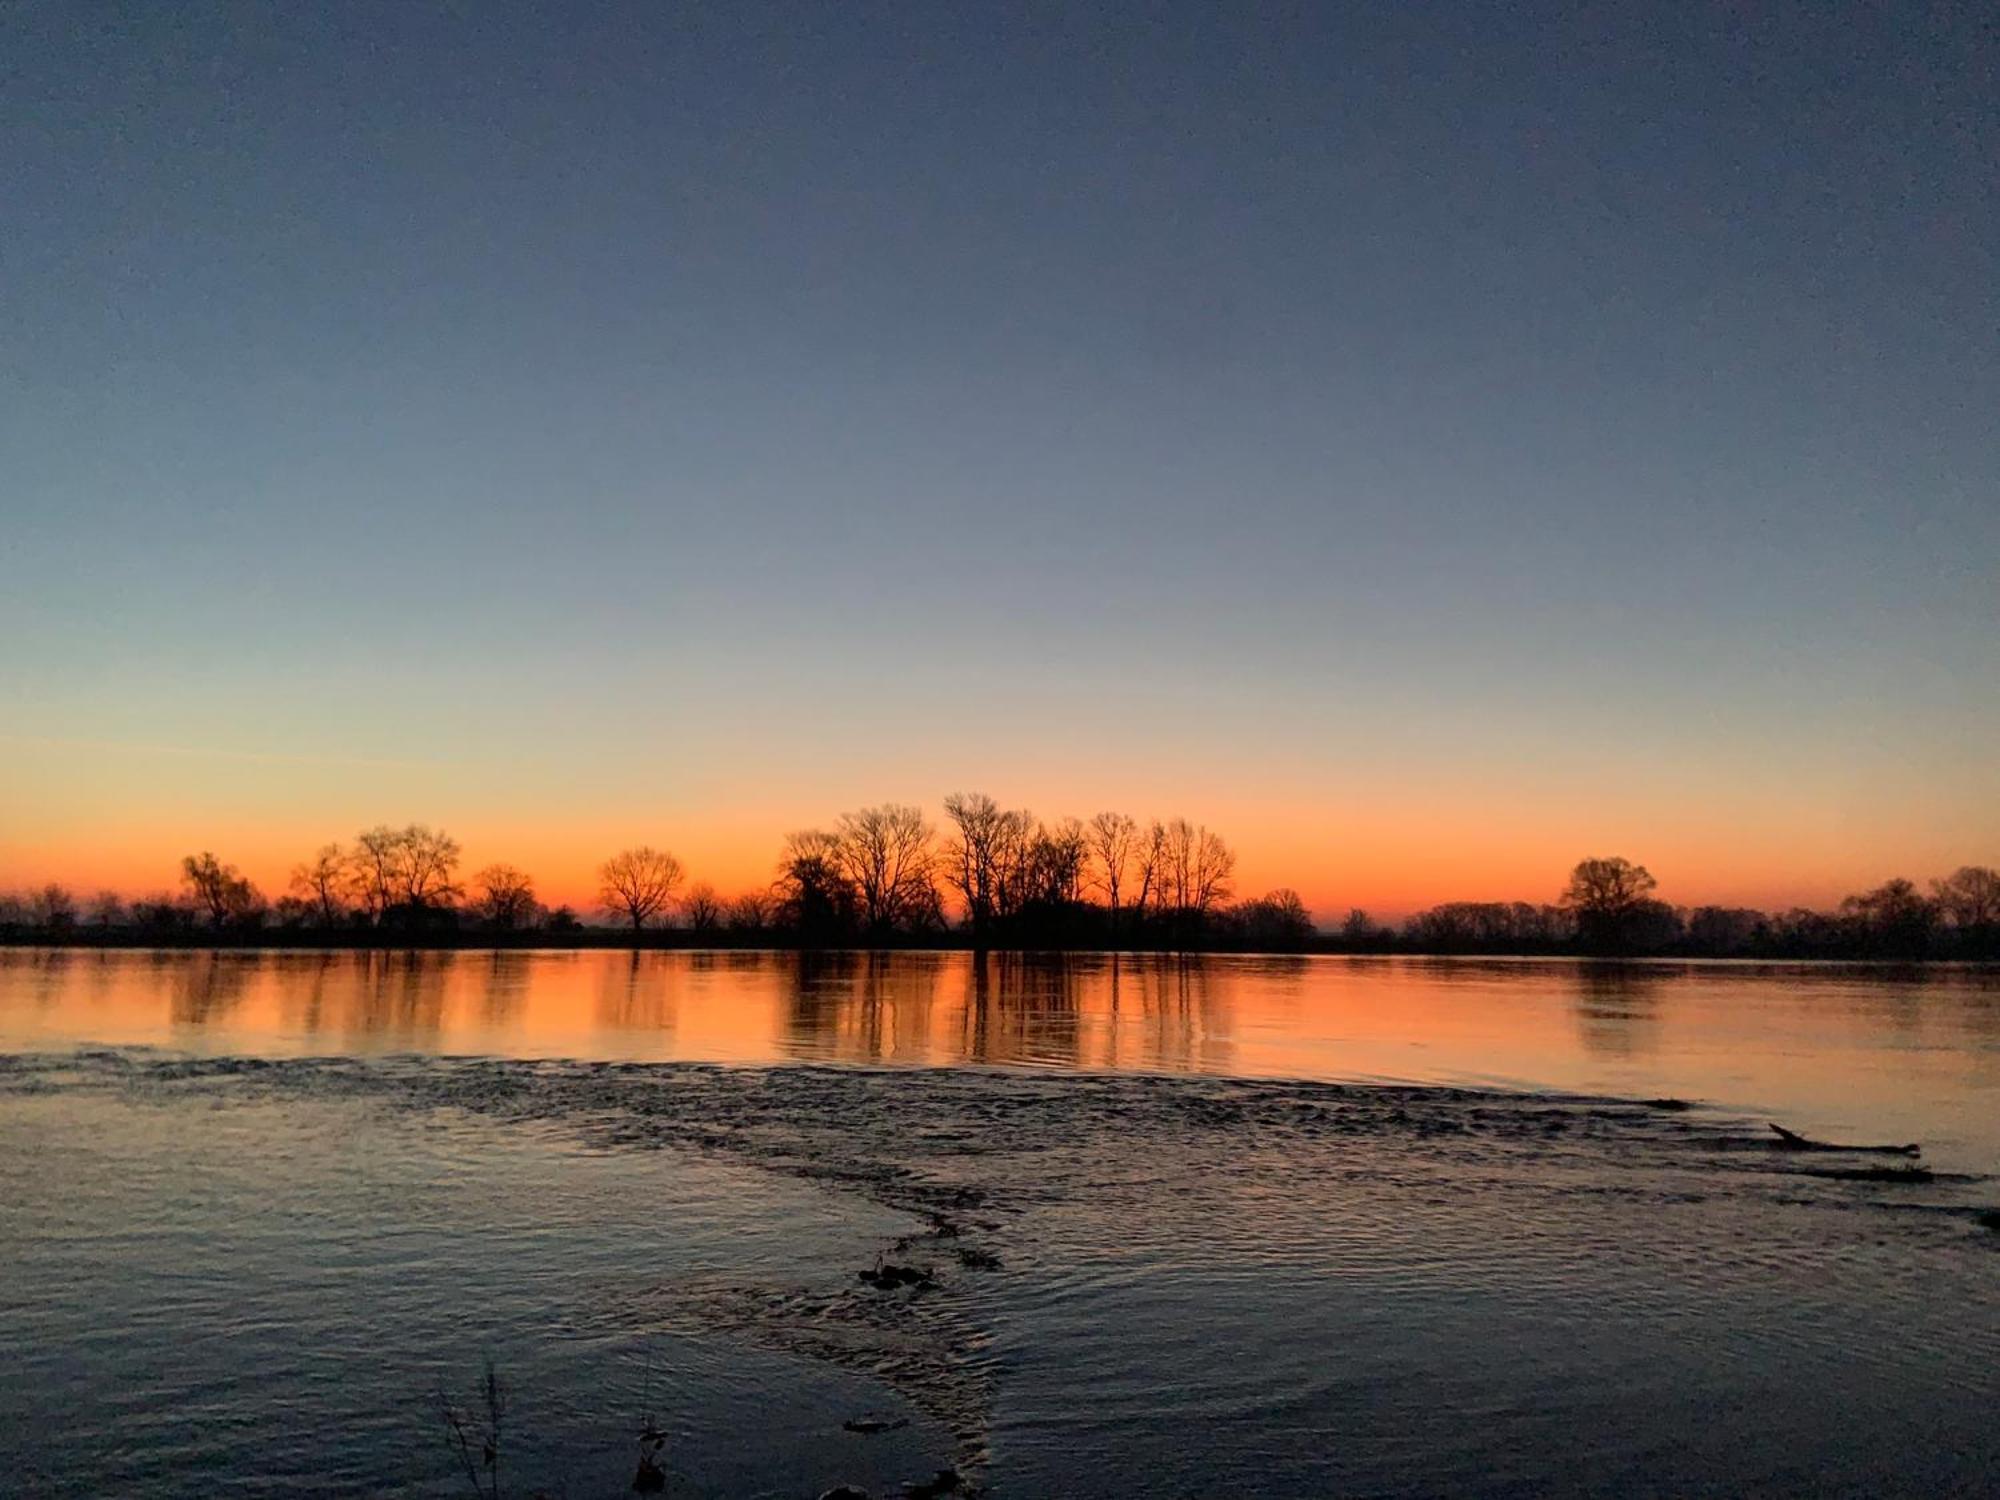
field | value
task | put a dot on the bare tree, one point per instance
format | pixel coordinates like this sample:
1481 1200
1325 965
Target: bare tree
1150 855
638 883
814 893
319 883
749 912
1892 918
702 907
986 859
1607 896
219 889
1056 859
1113 839
107 909
969 853
371 870
413 868
53 906
426 862
1277 922
1969 897
885 854
1195 869
506 897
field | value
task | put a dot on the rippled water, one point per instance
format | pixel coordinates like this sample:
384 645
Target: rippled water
1244 1226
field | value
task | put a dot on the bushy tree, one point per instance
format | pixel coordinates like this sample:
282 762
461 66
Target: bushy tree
1607 897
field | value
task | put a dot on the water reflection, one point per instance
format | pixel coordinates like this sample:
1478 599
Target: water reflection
635 992
1618 1008
208 986
1847 1045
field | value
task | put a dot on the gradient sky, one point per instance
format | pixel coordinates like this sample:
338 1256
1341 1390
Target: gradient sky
1428 443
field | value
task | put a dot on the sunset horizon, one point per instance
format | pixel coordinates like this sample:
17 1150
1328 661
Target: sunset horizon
983 752
1337 859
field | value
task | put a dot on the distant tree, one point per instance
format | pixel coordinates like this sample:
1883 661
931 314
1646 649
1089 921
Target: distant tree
107 909
702 908
219 890
1359 929
410 872
981 855
885 855
319 884
427 861
637 884
506 898
1969 899
1055 865
1655 927
1150 857
371 870
815 897
1807 933
1112 839
749 912
162 911
53 908
1196 869
1606 896
291 911
1275 923
1721 931
564 919
1894 919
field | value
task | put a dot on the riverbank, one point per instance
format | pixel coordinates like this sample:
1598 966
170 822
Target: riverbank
593 939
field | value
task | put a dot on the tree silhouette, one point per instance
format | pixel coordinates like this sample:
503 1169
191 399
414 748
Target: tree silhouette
702 908
219 889
886 857
1194 869
1892 919
1274 923
749 912
1969 898
638 883
982 857
815 898
53 908
506 897
405 872
1113 838
318 883
1606 896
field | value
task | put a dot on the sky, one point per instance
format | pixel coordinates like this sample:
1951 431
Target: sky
1427 443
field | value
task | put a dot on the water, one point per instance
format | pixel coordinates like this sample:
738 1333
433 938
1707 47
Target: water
1238 1226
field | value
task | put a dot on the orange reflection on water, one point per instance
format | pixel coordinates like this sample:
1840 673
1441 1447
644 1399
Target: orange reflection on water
1894 1054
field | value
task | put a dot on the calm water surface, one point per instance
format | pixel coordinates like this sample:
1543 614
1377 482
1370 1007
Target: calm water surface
1313 1226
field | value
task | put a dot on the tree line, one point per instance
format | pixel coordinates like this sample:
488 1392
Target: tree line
1608 907
987 876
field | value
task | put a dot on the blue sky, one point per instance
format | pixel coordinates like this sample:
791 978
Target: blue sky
1297 396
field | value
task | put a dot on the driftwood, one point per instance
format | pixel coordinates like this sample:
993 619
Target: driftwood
1872 1174
1790 1140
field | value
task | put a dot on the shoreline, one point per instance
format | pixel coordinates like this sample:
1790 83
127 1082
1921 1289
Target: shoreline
683 941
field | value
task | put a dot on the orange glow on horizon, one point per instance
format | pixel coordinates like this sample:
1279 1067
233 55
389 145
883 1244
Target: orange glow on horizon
1389 865
1390 840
